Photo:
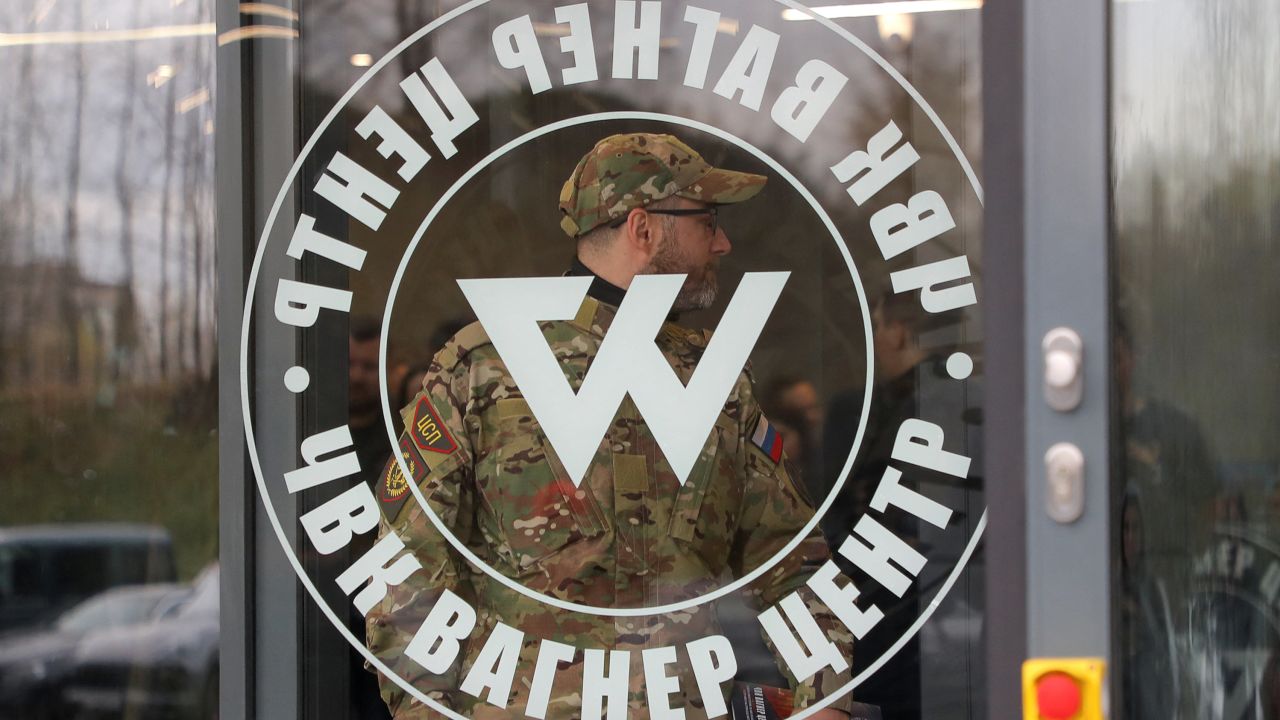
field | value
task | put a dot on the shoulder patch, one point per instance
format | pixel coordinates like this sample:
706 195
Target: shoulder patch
768 439
586 316
427 430
393 486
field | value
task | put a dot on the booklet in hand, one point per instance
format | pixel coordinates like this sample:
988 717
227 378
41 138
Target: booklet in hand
750 701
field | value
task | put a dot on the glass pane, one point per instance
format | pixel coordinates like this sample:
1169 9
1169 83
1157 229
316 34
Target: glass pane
1196 169
107 393
632 535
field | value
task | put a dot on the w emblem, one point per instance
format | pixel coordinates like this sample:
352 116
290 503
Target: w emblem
629 361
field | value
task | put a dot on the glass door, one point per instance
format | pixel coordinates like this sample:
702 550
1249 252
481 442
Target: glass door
1196 498
1146 190
393 162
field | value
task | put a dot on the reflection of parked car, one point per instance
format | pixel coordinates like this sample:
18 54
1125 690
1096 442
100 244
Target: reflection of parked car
45 569
167 668
34 664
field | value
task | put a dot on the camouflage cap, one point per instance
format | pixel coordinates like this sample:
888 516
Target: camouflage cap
624 172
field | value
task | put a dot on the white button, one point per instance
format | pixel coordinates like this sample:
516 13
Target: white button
1063 369
1064 482
1060 369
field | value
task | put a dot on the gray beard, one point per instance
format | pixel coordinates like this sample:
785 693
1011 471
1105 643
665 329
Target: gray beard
699 297
690 298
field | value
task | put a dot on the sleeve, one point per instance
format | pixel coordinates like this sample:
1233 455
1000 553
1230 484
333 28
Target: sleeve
777 509
436 449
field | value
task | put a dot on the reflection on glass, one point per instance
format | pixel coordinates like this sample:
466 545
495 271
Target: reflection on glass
1196 167
107 402
911 349
46 568
810 368
36 663
167 667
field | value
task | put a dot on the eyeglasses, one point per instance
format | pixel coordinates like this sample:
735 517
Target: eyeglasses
715 218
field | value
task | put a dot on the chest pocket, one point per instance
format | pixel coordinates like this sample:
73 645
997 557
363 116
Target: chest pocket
705 514
538 508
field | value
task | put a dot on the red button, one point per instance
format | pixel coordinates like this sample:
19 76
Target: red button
1057 696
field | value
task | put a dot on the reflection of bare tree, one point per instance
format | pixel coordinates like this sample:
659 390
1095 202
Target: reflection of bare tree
94 287
22 204
71 234
187 246
126 315
7 119
194 218
195 214
191 237
202 205
7 234
166 193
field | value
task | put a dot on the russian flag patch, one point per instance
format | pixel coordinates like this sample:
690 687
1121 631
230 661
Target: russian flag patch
768 439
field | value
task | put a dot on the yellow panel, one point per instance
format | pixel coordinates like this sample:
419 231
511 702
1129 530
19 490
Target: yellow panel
1088 672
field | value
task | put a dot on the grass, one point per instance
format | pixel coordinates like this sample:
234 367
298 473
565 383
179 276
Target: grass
150 457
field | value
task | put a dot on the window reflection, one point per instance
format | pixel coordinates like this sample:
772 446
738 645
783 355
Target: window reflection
504 224
107 397
1196 164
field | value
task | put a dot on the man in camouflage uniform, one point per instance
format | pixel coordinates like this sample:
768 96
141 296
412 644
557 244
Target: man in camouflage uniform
631 535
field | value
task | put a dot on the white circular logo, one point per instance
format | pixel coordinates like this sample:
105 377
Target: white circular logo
770 79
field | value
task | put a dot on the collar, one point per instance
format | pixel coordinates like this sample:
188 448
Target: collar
603 290
600 289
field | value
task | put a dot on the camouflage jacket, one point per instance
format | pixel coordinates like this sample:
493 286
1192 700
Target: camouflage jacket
630 536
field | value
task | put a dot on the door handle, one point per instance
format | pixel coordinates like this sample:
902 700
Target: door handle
1063 369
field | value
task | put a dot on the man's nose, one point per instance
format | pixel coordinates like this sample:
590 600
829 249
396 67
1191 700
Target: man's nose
721 245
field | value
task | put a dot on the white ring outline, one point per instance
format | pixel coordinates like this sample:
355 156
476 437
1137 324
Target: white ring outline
466 177
246 320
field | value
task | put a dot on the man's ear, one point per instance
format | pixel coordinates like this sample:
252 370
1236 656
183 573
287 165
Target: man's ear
642 234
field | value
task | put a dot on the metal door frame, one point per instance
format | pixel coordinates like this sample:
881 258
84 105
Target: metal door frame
257 128
1046 167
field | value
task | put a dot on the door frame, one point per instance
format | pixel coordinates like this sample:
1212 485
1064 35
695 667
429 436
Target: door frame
1047 258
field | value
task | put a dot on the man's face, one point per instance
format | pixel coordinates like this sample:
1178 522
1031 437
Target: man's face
362 374
887 341
691 245
802 400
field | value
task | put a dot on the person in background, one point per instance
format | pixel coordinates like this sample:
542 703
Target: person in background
1167 464
791 403
415 371
364 406
373 450
910 380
